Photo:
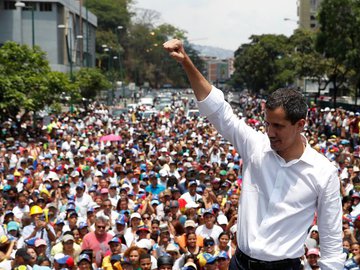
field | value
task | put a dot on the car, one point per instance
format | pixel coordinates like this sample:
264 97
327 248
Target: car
118 111
149 114
147 102
132 106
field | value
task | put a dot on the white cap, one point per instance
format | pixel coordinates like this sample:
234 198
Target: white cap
163 173
144 243
222 220
135 215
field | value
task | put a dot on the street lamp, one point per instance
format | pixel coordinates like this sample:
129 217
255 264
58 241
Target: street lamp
68 47
22 5
118 29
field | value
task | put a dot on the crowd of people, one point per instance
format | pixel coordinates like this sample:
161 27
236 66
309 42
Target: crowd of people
89 190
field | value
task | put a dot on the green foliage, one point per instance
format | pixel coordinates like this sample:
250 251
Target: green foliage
138 46
339 40
91 82
264 63
26 81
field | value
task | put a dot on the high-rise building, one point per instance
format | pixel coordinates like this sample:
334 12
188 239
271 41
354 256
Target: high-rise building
307 13
64 29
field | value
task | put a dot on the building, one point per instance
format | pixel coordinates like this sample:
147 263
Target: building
64 29
218 71
307 11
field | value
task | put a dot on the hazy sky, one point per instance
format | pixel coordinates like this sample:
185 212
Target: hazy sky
225 23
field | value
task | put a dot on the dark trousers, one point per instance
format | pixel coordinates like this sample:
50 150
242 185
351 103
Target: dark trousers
244 262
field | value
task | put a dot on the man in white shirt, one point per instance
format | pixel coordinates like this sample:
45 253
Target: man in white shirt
285 181
191 195
82 199
209 228
21 208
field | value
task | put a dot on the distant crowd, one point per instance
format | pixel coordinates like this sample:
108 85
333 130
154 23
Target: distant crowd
89 190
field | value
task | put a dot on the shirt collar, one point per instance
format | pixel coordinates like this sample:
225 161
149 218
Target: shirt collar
307 156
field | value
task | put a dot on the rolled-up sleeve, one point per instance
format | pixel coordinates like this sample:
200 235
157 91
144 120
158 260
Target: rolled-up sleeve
212 102
330 226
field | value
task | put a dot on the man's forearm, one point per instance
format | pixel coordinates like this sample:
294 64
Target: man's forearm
198 82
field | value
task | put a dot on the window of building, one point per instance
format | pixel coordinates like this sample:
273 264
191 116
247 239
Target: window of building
9 5
313 4
313 25
45 6
31 6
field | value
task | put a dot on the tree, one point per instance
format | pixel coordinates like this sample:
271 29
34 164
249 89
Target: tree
339 41
91 81
264 63
26 81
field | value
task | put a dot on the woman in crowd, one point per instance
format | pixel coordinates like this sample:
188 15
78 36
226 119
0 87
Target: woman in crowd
133 254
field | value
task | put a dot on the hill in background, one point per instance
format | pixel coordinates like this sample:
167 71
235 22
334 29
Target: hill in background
213 51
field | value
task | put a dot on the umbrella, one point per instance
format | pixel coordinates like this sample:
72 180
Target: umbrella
110 138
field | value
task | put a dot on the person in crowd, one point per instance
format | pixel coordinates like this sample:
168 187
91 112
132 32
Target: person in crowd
145 261
209 229
39 228
133 254
98 241
67 246
115 249
165 262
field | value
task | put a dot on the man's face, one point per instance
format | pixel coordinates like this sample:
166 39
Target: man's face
312 259
145 264
209 220
79 192
282 134
115 247
100 228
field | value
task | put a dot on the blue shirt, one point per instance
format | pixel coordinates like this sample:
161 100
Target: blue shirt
155 190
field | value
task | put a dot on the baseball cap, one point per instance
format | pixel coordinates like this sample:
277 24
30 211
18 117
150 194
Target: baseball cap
192 182
189 223
82 225
104 191
222 220
222 254
84 257
174 204
12 226
66 259
135 215
208 211
154 202
313 251
59 221
134 181
143 228
121 220
115 240
68 237
144 243
40 242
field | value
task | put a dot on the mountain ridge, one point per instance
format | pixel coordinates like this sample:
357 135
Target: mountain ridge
213 51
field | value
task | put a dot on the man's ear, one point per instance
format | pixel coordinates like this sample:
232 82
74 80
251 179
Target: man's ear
301 124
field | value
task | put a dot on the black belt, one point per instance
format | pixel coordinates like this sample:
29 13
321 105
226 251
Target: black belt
255 264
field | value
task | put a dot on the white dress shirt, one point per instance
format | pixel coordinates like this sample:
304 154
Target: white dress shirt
278 199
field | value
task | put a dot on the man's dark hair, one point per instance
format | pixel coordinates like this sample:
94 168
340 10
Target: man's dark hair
291 100
145 256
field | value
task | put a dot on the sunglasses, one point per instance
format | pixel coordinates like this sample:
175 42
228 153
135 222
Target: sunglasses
146 218
101 227
209 244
